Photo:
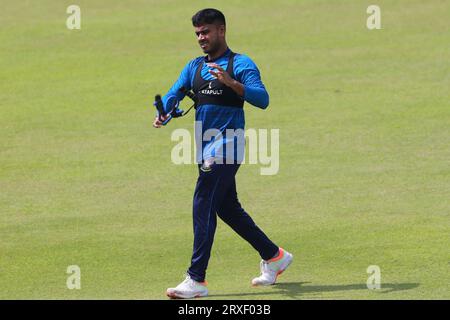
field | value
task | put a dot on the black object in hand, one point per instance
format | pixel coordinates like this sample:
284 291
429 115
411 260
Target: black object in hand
159 106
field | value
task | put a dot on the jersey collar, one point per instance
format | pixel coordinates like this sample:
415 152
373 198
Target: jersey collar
227 52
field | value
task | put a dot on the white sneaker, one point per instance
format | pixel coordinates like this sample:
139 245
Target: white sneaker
188 289
272 268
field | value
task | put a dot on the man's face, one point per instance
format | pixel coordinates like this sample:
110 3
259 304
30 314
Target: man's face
210 37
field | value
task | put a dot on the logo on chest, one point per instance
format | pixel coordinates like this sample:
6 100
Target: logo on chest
210 91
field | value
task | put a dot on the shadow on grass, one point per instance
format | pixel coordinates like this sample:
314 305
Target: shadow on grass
294 290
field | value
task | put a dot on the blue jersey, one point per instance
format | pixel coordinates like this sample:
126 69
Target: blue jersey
218 117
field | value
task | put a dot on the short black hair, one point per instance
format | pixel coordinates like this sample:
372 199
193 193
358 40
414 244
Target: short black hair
208 16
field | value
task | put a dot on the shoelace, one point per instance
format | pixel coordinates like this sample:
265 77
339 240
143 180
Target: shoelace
189 282
265 267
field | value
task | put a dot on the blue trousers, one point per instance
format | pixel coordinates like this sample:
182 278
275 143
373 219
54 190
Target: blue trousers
215 193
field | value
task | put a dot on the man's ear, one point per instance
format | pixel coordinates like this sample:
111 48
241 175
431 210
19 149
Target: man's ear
222 30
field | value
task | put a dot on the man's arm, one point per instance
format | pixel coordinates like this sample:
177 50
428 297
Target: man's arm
174 95
249 85
248 73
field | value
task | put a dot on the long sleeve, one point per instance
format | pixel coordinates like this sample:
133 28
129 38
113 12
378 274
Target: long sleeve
248 74
174 95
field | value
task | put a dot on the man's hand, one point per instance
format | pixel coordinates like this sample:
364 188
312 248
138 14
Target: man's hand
158 122
223 76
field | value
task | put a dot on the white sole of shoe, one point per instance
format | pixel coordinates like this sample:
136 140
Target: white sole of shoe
179 295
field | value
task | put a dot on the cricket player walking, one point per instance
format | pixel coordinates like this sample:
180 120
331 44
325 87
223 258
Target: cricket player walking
221 81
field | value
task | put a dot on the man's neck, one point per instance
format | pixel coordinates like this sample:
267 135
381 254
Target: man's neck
218 53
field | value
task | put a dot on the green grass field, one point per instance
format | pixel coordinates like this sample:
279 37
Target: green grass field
364 119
